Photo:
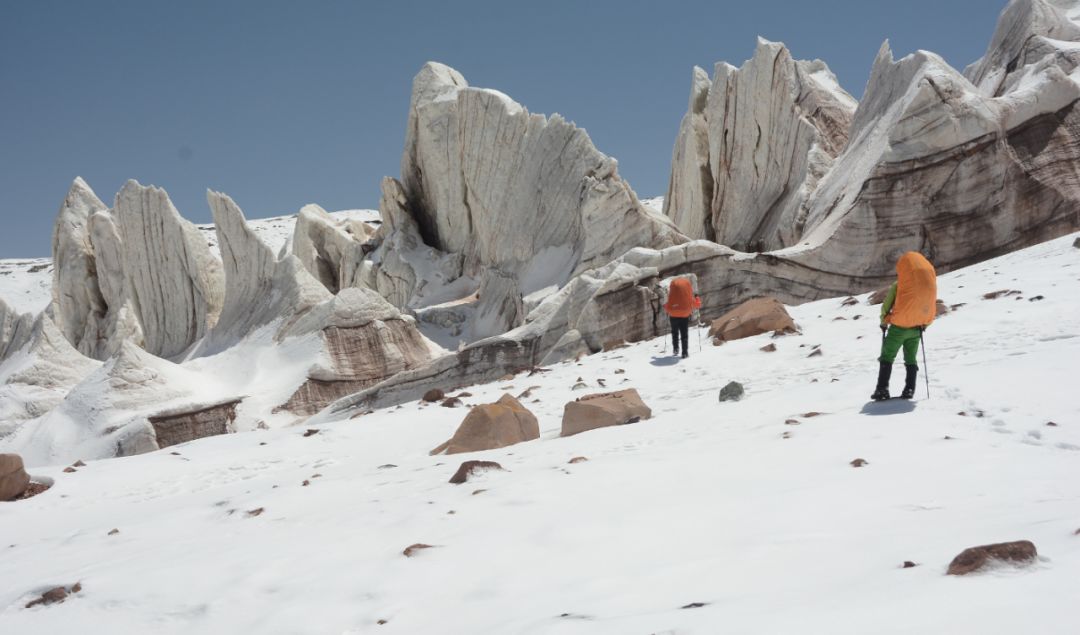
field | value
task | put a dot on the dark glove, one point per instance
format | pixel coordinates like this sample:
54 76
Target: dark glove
884 328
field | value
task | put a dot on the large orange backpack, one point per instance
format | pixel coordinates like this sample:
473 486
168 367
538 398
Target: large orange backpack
680 301
916 292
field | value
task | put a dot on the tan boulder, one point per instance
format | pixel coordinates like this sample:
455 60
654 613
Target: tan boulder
492 426
750 318
603 410
13 477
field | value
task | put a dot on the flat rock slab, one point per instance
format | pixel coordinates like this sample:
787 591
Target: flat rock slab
602 410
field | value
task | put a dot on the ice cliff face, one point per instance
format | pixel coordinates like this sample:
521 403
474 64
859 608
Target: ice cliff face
752 147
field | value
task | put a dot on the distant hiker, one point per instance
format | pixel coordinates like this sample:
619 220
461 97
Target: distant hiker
681 304
908 309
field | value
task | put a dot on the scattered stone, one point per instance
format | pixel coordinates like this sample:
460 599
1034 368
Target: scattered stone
579 386
940 309
52 596
77 587
815 353
973 559
381 622
78 463
256 512
768 348
492 426
462 395
468 468
1076 243
602 410
948 438
305 483
14 480
878 296
113 532
601 382
386 466
695 605
750 318
786 435
33 490
413 549
507 377
434 395
310 432
957 306
174 453
733 391
849 301
578 459
859 463
478 491
811 415
909 564
316 475
792 422
838 318
619 371
1051 424
70 470
1036 298
993 295
451 402
857 317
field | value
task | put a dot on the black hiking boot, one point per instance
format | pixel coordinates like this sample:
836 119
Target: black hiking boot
881 393
685 354
909 381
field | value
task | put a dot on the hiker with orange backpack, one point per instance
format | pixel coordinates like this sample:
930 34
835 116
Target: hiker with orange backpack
909 308
681 304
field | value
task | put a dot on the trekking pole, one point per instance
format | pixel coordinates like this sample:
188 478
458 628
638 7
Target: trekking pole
926 371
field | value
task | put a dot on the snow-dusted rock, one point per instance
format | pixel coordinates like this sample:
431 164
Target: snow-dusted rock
753 146
36 378
15 329
330 249
260 288
364 341
78 306
1027 31
174 279
519 192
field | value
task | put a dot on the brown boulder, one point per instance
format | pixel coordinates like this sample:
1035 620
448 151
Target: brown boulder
878 297
492 426
468 468
602 410
434 395
750 318
13 477
975 558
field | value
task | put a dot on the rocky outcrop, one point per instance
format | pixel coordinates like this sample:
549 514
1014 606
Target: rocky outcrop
139 272
364 340
175 282
260 288
36 379
183 425
13 477
333 251
492 426
753 146
753 317
15 329
602 410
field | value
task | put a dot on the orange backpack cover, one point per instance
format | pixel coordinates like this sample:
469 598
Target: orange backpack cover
680 299
916 292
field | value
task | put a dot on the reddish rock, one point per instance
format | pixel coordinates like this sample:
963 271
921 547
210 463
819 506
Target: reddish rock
413 549
792 422
434 395
70 470
113 532
468 468
976 558
941 309
878 296
602 410
33 490
256 512
578 459
450 402
492 426
750 318
993 295
768 348
13 477
909 564
859 463
849 301
78 463
52 596
311 432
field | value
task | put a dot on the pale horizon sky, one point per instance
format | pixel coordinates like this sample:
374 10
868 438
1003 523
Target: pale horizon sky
281 103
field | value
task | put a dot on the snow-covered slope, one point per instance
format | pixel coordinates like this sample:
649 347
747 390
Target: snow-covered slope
26 283
763 522
278 230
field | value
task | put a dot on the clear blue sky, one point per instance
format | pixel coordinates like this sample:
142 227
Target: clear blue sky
282 103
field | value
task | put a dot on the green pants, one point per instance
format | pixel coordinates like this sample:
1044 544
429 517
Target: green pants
898 337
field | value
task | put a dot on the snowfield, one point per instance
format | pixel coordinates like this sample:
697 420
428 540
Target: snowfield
750 509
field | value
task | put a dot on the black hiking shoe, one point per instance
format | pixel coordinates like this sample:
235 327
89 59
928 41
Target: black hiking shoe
881 393
909 381
685 354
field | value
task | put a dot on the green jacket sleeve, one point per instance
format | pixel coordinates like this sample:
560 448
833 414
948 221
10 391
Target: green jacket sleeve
886 306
